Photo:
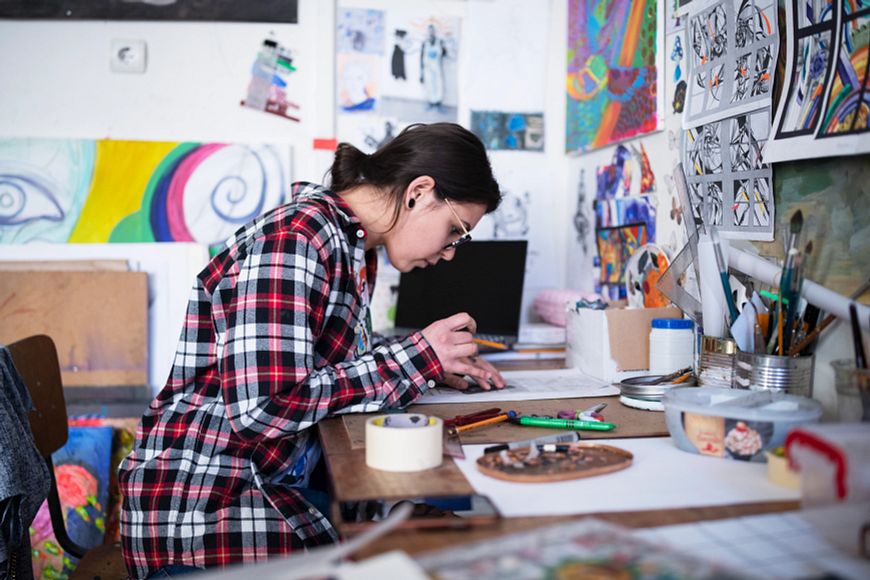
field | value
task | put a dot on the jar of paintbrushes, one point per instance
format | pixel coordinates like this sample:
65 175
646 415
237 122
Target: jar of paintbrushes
783 374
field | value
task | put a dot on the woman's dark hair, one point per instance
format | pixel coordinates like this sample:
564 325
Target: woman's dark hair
448 153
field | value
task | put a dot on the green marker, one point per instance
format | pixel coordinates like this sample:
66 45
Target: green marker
565 424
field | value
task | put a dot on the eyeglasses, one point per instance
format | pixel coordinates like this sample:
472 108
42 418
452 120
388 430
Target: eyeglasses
465 237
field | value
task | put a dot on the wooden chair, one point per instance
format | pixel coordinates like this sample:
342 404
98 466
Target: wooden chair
37 363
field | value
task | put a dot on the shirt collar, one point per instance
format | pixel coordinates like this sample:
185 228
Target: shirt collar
349 222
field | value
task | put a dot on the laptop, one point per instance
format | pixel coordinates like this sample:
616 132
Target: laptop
485 279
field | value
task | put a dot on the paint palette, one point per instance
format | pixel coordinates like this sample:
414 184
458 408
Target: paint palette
527 465
642 272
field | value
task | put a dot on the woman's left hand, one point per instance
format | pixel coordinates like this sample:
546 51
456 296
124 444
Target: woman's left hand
461 384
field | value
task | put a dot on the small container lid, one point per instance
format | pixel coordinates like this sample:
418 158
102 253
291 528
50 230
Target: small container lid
673 323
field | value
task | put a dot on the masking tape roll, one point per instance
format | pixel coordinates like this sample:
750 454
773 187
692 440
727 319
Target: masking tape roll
404 442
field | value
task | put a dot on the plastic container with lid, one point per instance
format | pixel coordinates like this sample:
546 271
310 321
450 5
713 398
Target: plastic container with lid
671 345
734 423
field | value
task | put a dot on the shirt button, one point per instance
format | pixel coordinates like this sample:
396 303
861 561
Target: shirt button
431 383
360 233
313 511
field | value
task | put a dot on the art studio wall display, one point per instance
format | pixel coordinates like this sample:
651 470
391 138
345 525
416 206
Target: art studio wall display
67 190
825 104
509 131
731 50
284 11
615 73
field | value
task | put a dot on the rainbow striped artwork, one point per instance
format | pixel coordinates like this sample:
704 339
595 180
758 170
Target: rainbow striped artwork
81 191
613 77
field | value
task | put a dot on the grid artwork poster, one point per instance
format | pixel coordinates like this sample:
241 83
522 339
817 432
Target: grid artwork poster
613 79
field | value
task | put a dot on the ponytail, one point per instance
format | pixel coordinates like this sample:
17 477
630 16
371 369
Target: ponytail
348 167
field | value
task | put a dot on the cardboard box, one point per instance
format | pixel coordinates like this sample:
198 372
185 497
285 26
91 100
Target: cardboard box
613 343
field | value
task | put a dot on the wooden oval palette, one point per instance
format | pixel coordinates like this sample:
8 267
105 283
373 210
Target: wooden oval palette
578 460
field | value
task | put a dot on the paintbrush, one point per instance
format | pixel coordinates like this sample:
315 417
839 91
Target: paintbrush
860 357
797 283
830 319
724 277
791 252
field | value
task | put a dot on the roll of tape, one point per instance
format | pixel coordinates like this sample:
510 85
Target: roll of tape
404 442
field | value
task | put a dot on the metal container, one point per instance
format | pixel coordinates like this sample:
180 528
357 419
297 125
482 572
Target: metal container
716 361
767 372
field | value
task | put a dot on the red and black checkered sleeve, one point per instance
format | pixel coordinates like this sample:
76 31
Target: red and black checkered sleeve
274 316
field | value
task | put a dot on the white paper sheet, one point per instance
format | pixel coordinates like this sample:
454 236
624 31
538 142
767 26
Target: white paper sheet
526 386
660 477
801 544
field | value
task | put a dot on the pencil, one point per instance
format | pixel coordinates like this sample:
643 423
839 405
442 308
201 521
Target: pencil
491 421
498 345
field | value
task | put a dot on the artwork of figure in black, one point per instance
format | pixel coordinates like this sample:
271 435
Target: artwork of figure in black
398 63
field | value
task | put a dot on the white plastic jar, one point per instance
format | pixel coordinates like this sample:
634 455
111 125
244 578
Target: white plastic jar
671 345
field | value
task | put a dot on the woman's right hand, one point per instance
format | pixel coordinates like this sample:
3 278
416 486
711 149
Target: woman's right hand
452 339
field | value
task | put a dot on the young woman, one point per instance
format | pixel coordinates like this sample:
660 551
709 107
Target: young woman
278 336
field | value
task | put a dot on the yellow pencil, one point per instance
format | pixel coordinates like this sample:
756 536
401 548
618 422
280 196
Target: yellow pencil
491 421
490 343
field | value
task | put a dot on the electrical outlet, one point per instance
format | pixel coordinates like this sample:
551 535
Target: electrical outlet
128 56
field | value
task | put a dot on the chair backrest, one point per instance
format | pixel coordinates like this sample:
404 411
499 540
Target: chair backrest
36 360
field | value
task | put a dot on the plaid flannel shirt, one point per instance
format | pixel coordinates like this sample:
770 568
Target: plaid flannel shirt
269 347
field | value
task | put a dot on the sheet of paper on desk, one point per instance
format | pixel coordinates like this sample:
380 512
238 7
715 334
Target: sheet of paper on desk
527 386
810 543
660 477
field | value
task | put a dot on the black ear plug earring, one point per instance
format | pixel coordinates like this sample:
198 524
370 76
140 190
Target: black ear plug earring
411 203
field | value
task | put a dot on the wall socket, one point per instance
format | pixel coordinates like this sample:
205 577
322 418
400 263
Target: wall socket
128 56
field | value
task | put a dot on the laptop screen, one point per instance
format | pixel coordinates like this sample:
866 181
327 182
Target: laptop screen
484 279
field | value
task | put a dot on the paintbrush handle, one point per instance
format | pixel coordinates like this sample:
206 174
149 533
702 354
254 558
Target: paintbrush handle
860 357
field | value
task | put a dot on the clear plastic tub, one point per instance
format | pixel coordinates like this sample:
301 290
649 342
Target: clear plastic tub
734 423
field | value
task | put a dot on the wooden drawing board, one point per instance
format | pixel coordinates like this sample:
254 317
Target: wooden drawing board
98 321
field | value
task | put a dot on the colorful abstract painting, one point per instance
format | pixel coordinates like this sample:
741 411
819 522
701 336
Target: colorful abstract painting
509 131
81 468
825 105
135 191
615 247
614 76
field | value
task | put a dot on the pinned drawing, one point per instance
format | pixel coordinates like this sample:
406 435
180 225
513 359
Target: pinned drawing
359 46
729 186
825 103
423 80
270 78
615 246
581 220
43 184
732 57
510 131
68 190
615 75
512 217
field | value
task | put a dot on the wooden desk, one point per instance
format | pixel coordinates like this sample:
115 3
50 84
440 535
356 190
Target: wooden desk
352 480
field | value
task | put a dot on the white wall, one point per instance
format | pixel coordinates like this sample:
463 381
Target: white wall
56 82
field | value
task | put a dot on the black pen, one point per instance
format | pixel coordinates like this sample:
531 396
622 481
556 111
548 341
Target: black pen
570 437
